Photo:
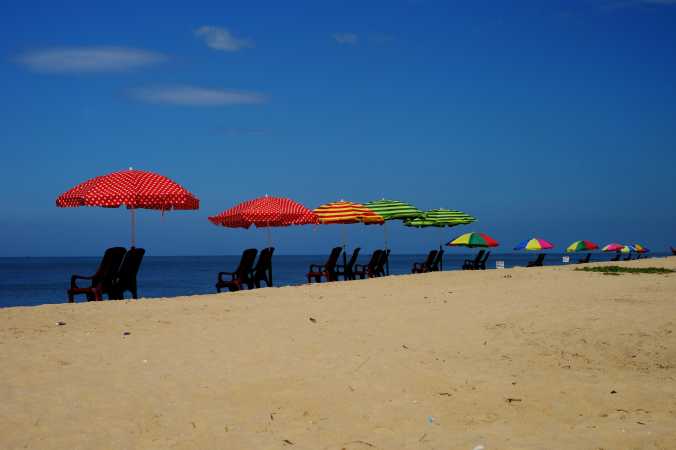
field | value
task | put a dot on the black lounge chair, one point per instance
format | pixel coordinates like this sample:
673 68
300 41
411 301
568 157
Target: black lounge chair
126 276
347 270
627 258
482 265
241 275
673 250
538 262
102 281
438 263
474 264
425 265
585 260
617 257
373 268
263 269
386 262
327 270
382 263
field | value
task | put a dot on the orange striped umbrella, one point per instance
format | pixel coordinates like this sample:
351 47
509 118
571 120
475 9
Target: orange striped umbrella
347 212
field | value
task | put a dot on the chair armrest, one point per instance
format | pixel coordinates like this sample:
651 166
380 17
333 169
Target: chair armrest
220 275
78 277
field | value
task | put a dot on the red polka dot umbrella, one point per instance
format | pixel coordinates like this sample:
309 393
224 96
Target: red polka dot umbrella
135 189
265 212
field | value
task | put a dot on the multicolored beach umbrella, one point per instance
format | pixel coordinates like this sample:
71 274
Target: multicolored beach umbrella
134 189
440 218
581 246
614 247
472 240
627 249
534 244
640 249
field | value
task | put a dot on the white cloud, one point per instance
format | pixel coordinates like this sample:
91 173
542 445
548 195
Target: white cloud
346 38
71 60
221 39
196 96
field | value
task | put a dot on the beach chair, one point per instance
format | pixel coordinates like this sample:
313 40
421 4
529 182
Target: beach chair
482 265
347 270
585 260
327 270
125 280
438 262
102 281
371 269
382 262
424 266
473 264
673 250
617 257
386 262
263 269
538 262
241 275
627 258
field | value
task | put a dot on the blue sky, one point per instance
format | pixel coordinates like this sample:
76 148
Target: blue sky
554 119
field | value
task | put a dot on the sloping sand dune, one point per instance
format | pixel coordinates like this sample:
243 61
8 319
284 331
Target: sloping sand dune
544 358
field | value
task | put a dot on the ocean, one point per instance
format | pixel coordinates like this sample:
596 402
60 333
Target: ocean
36 281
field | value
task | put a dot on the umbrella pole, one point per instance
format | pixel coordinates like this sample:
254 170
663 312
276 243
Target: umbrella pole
387 258
133 227
344 245
441 240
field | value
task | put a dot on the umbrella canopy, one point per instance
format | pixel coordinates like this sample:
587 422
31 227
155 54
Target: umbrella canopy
627 249
346 212
581 246
265 212
135 189
440 218
638 248
393 209
614 247
534 244
472 240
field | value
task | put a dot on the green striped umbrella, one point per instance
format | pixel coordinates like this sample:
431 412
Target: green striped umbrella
440 218
393 210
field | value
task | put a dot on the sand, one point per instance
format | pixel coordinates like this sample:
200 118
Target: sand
543 358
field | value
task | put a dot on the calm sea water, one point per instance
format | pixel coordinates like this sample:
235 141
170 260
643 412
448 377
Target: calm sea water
35 281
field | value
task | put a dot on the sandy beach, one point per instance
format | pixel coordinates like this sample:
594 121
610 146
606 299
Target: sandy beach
544 358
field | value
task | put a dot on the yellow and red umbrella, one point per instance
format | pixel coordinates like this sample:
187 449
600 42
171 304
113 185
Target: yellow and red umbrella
347 212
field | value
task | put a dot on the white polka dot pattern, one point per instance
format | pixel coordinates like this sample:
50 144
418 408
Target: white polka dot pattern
265 212
135 189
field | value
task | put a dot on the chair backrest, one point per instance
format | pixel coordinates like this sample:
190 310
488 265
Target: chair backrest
246 263
437 261
109 266
353 260
540 259
264 259
431 256
485 258
375 261
479 256
333 259
130 266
